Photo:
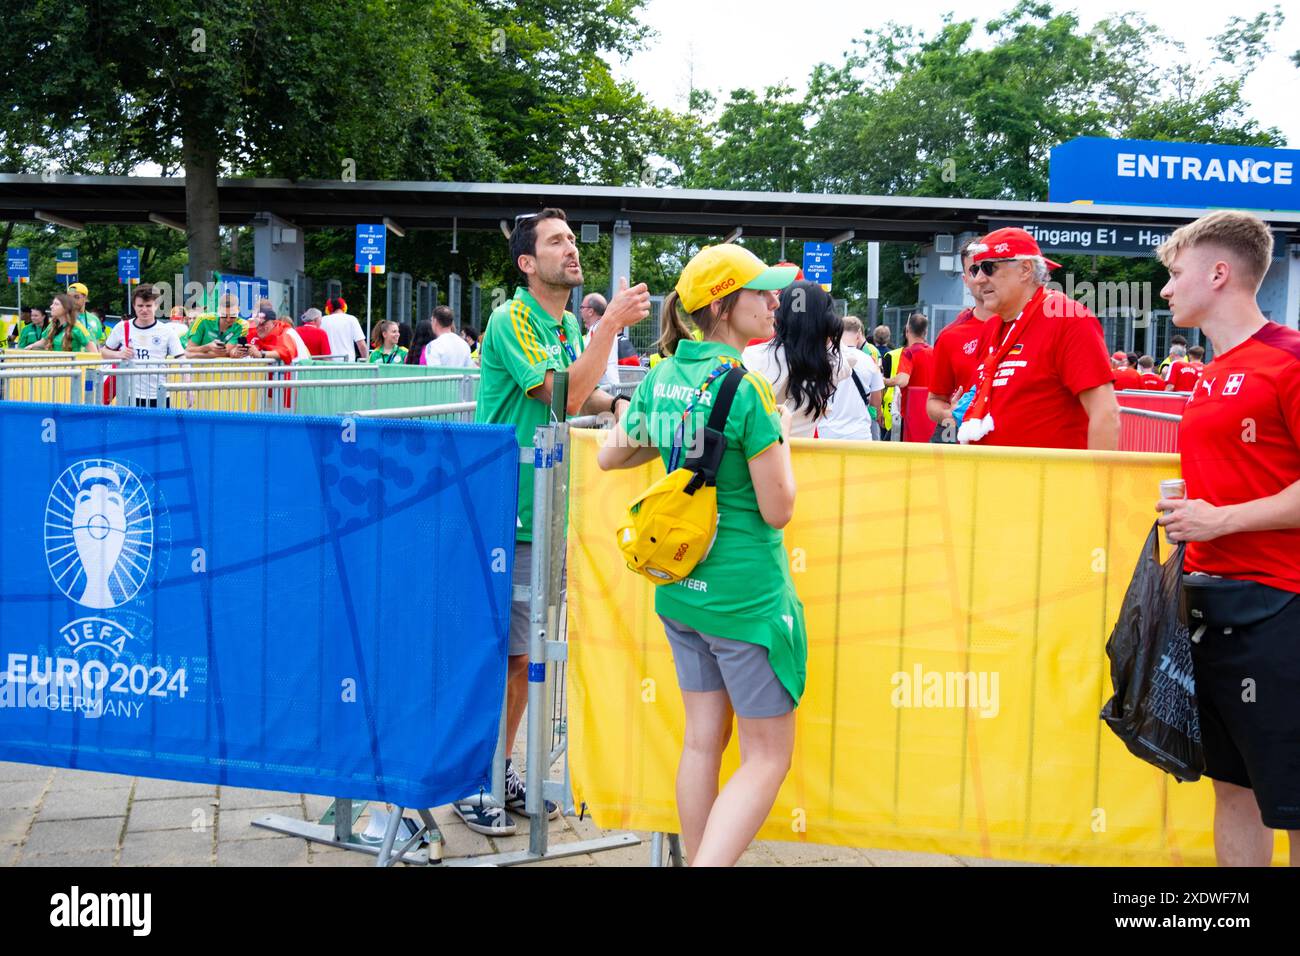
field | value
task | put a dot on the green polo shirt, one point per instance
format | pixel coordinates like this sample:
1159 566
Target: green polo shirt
207 329
521 344
93 326
29 334
80 338
742 590
396 357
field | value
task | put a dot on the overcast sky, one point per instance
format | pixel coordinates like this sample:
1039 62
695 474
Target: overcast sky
758 43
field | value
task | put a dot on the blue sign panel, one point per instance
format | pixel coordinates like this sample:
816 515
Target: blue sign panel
248 289
156 620
1136 172
18 264
817 258
371 243
128 266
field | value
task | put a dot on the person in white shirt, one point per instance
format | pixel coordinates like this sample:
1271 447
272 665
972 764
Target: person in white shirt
592 309
344 331
447 348
802 360
850 415
143 338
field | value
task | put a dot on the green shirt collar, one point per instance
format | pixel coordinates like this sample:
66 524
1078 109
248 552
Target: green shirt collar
692 351
526 297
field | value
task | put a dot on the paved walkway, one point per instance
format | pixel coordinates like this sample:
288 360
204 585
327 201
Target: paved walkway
76 818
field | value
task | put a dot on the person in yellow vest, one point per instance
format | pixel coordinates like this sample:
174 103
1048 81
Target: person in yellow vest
889 405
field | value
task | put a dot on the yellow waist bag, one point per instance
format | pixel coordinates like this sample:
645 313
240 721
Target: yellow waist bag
670 527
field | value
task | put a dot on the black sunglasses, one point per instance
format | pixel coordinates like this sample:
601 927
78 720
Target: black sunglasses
526 215
988 267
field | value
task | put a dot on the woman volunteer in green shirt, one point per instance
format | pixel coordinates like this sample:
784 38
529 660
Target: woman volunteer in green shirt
63 333
384 349
735 625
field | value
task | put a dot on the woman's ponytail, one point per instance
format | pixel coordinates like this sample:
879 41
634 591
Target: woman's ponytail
674 325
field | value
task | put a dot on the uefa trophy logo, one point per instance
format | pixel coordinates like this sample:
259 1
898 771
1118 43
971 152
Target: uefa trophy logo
99 533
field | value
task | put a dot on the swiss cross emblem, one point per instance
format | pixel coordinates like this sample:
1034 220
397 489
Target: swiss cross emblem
1002 247
1234 383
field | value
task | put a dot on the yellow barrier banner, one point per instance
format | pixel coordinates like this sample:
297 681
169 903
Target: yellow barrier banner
42 388
958 602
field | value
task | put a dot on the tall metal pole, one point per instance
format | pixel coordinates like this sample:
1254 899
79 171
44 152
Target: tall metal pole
369 277
873 285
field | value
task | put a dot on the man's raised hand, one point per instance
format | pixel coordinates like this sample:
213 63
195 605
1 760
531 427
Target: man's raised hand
629 306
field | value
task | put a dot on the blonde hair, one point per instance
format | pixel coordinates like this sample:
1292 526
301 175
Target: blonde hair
676 320
1243 235
853 324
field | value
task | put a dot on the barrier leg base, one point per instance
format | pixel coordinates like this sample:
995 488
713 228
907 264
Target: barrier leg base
317 833
554 852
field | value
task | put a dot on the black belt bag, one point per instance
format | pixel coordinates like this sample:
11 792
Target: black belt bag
1227 603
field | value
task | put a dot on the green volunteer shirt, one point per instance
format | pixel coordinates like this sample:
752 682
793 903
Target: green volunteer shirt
93 326
207 329
521 344
29 334
80 338
396 357
742 590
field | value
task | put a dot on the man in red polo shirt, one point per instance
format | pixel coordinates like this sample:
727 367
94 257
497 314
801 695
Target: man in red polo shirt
1044 377
1149 380
1241 521
955 359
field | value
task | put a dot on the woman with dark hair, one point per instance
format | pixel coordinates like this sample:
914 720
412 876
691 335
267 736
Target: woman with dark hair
422 337
802 361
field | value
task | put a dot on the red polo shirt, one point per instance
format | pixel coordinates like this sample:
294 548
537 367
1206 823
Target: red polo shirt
918 362
955 356
1238 441
1152 382
1035 397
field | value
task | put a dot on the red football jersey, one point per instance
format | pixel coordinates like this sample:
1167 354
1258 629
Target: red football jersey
1238 441
1152 382
1184 375
1128 379
918 363
955 356
314 337
1035 397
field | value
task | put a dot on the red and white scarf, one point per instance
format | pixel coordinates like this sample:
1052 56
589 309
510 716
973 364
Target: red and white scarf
977 423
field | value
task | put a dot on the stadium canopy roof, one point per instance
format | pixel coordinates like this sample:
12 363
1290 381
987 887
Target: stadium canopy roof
479 206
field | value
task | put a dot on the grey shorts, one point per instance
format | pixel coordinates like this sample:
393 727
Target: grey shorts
706 663
522 575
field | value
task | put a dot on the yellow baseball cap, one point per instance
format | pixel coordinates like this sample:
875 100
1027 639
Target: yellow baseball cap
719 270
79 287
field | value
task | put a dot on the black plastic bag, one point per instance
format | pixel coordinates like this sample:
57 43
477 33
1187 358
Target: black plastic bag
1154 708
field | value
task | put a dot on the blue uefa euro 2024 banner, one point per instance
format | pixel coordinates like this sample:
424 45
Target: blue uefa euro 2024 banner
1136 172
300 604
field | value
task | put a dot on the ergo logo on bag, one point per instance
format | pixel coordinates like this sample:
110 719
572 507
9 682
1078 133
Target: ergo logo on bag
727 284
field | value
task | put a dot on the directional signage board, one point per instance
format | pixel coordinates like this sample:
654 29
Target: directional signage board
65 263
817 258
371 243
1101 238
18 265
128 266
1138 172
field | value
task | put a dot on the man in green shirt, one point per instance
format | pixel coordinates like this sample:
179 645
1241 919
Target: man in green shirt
217 336
528 339
89 319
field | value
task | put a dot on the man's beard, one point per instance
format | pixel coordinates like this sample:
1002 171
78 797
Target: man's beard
560 276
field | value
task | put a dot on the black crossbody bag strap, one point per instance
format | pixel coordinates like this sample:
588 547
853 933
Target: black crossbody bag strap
861 391
706 464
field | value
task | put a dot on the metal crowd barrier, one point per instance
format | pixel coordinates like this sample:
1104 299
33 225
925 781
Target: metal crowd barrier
451 412
55 386
335 396
1148 431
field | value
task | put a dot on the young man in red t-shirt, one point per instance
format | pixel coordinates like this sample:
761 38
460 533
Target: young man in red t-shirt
1241 521
955 359
1184 375
1148 379
1044 378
